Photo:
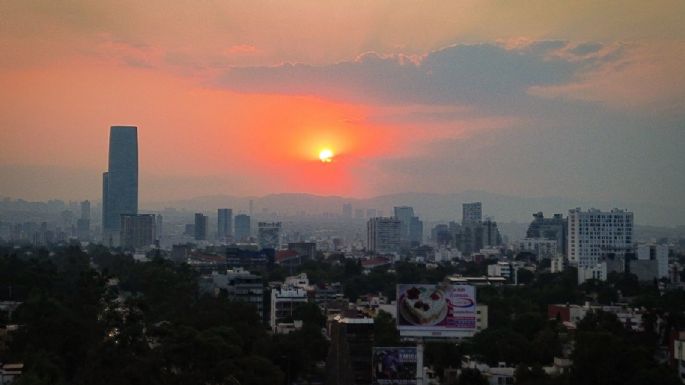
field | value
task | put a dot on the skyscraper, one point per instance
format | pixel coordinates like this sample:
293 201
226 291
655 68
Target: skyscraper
83 223
120 182
383 235
404 215
411 227
472 212
201 224
224 224
242 227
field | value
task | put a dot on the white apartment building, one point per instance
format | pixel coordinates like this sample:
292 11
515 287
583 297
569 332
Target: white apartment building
594 233
283 303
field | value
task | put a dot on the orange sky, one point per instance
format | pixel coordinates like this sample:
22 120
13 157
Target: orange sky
71 69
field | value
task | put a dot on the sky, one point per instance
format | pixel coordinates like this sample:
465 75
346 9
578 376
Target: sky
581 99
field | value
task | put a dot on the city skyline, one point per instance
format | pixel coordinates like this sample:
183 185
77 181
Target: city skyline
581 100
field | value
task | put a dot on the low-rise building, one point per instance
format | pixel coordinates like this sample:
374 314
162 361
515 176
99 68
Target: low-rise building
596 271
542 248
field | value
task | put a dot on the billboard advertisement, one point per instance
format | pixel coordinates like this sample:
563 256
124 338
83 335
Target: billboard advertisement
394 366
442 310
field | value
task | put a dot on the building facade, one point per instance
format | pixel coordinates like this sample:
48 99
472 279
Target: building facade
472 212
137 231
120 182
555 229
383 235
224 224
200 229
594 233
242 227
283 303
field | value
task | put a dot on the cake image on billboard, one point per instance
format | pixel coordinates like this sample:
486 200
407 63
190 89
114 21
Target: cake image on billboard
436 311
422 305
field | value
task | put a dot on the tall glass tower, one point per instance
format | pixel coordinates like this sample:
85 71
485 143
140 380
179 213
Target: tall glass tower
120 182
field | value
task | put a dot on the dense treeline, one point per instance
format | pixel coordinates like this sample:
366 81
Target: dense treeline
80 326
93 317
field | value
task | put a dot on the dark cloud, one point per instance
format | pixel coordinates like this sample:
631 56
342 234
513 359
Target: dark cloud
461 74
586 48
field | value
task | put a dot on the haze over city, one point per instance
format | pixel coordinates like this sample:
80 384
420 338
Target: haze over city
582 101
342 192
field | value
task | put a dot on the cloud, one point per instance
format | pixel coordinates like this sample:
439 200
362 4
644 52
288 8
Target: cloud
483 74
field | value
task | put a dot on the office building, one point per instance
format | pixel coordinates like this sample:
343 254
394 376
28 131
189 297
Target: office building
472 212
491 236
224 224
415 231
553 229
83 223
404 214
243 230
137 231
594 233
383 235
269 235
120 182
200 229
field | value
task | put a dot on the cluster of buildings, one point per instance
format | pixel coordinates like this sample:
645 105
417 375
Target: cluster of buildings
472 236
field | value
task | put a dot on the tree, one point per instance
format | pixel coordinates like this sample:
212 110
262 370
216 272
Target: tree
470 376
385 330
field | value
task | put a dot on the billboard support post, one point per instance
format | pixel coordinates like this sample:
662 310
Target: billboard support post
419 361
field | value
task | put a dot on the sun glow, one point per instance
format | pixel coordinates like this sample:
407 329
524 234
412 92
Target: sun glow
326 155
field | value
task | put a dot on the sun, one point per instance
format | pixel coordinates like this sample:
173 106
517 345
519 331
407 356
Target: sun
326 155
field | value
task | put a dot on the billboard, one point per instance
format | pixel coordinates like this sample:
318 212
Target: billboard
394 366
442 310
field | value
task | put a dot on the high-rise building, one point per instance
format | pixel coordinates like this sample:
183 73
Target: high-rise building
120 182
491 236
83 223
224 224
269 235
472 212
415 231
201 224
594 233
404 215
137 230
242 227
554 229
383 234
